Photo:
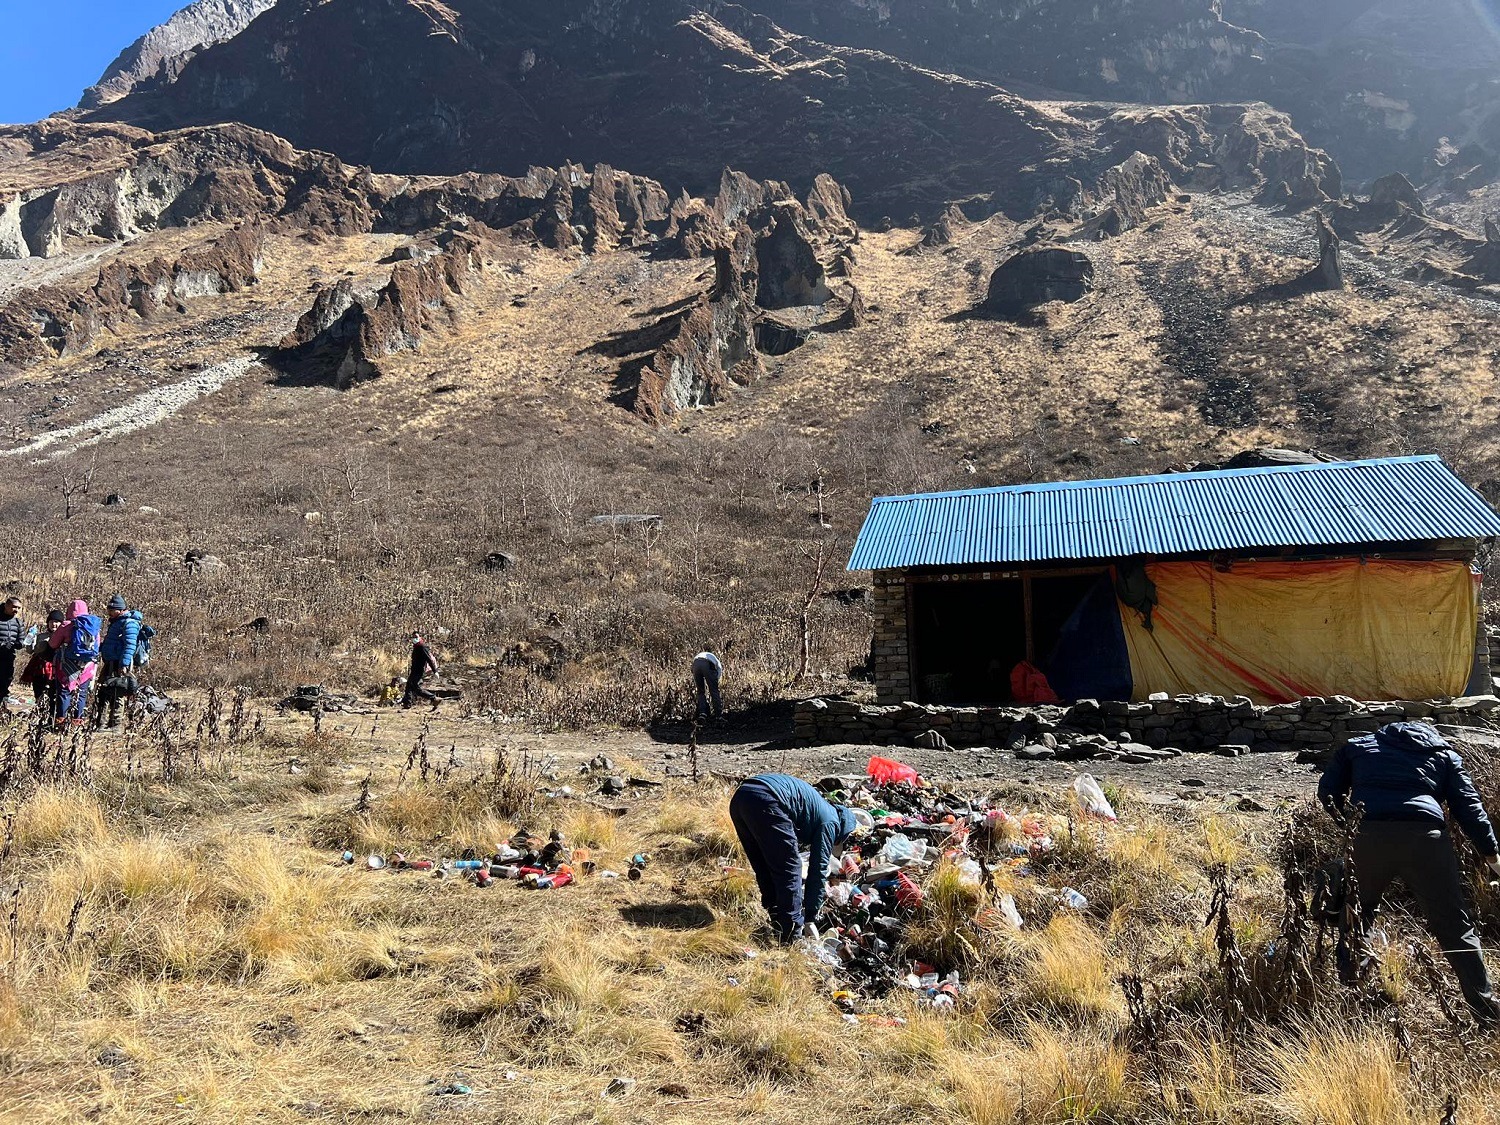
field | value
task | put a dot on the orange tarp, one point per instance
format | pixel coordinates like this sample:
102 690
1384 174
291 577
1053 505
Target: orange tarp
1278 631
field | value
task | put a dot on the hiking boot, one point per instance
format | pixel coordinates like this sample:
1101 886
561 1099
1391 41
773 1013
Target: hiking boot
435 704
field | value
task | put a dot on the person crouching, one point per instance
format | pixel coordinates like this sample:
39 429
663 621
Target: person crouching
777 817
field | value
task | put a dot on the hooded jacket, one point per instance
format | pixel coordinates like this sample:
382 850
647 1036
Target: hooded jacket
1406 772
820 826
118 646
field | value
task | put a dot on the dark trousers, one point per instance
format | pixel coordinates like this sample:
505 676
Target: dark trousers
7 673
770 843
1421 855
415 691
706 682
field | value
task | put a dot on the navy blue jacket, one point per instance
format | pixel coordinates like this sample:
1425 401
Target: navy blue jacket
1405 771
820 826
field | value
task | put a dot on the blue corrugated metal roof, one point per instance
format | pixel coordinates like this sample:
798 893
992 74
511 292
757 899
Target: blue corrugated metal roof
1342 503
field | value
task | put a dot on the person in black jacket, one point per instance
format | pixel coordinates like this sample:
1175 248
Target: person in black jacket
12 638
1402 776
421 663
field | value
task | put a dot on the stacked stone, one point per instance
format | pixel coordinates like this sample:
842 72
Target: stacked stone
1161 726
890 658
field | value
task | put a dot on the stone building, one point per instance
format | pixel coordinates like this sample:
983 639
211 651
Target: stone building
1276 583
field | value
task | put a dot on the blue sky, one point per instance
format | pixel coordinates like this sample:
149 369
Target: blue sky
51 50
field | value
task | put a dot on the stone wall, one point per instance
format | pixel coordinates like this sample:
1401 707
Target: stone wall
889 649
1130 731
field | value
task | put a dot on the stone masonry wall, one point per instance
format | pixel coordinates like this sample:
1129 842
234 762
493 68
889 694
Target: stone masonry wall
890 652
1129 731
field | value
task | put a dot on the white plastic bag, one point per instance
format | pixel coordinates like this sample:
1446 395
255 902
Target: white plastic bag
1091 798
1009 912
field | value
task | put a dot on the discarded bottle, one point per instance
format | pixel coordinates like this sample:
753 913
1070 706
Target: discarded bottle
465 864
421 865
482 877
637 867
505 871
347 857
1073 899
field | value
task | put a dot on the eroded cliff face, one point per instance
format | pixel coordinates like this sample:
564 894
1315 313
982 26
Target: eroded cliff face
676 91
158 57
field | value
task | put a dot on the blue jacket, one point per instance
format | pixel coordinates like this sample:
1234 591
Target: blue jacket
1405 771
118 646
820 826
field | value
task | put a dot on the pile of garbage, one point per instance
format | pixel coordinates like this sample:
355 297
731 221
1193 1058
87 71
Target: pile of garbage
527 859
877 888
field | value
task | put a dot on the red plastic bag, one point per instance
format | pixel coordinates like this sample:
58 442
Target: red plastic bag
884 771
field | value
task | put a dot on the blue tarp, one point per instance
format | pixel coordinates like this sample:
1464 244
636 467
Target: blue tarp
1090 660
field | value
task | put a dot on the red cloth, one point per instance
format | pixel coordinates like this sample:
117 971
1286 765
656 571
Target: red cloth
1028 685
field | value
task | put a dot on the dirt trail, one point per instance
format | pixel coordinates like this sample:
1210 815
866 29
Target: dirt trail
146 409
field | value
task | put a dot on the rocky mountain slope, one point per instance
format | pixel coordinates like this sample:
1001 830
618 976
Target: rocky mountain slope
1382 84
158 56
677 91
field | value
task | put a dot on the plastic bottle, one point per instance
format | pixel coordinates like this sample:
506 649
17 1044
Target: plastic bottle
1073 899
466 864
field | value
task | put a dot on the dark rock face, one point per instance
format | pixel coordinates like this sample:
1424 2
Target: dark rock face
1037 275
787 266
677 90
160 54
1393 194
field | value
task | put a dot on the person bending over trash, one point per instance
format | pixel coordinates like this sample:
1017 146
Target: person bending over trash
776 818
1402 775
708 670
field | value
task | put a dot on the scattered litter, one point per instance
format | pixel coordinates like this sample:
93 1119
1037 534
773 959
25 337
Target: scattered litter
374 862
1091 798
910 830
619 1088
454 1088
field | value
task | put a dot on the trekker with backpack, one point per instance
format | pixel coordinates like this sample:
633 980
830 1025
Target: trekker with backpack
118 652
76 643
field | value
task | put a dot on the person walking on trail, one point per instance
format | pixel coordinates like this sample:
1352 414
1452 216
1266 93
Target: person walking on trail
76 663
421 663
1402 776
117 653
708 670
41 669
12 640
777 817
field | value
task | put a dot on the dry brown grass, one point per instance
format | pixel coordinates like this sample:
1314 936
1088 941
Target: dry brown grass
223 964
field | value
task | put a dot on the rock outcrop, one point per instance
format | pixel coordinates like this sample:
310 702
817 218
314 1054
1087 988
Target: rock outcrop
341 340
1329 272
711 348
1037 275
159 56
50 323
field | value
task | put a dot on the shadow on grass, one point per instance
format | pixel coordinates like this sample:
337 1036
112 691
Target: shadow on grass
669 915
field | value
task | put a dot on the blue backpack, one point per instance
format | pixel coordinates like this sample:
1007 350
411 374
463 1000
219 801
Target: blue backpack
142 642
83 646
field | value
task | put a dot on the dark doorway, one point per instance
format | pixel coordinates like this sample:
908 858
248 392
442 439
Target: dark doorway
968 636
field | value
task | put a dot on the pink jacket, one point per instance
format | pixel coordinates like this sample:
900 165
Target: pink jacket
60 637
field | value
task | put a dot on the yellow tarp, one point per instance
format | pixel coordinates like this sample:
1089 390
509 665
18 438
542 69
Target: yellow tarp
1278 631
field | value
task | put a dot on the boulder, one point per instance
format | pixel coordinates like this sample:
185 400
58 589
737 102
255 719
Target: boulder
1038 275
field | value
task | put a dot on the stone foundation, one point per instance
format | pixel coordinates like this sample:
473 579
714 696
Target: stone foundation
1131 731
